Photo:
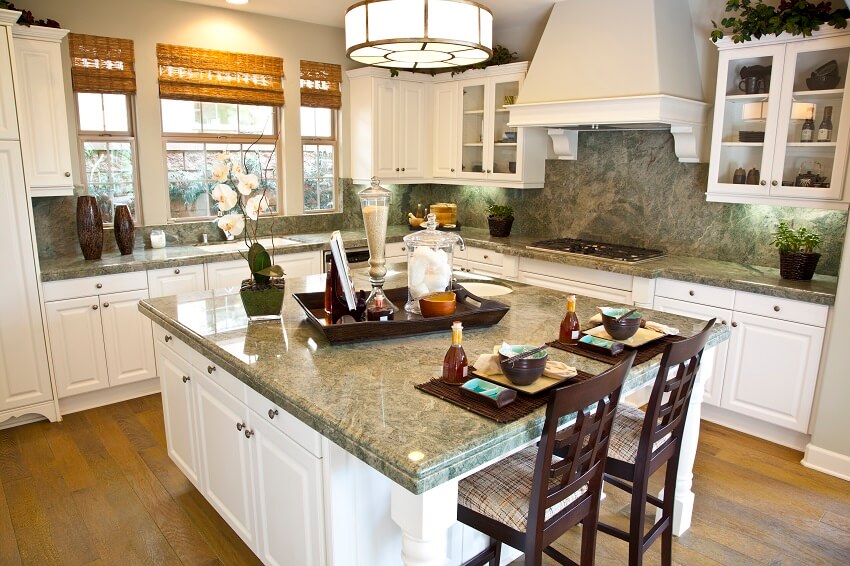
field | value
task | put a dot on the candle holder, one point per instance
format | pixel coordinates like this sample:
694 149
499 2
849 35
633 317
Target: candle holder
375 206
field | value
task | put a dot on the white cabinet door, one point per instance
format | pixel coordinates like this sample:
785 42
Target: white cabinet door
288 482
445 120
24 375
227 274
178 407
772 370
225 456
40 89
300 264
413 133
8 116
76 344
128 338
385 112
175 280
714 387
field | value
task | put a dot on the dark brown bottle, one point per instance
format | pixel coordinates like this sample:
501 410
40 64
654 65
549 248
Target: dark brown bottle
570 328
455 364
379 309
807 133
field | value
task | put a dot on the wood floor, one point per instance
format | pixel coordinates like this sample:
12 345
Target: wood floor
98 488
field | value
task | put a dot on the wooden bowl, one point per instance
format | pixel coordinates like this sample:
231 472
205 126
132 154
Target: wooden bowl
438 304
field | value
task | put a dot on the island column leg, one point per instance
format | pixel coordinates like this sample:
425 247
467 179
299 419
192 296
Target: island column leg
424 520
683 505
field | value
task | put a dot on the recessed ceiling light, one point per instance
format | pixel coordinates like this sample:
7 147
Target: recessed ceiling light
237 1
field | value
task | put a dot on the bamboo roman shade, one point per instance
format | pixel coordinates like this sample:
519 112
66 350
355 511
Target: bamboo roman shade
191 73
320 85
102 64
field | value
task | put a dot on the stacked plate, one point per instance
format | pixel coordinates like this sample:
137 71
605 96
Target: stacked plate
751 137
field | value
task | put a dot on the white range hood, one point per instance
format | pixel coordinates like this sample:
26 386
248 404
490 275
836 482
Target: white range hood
618 64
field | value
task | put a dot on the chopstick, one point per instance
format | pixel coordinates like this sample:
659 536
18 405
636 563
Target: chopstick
525 354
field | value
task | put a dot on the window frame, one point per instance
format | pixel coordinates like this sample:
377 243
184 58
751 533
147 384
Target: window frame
333 140
129 136
274 139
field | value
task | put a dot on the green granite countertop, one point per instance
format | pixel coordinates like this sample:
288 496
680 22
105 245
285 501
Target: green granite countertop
361 395
730 275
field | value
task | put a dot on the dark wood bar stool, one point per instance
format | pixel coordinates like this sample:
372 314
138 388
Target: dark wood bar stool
532 497
642 442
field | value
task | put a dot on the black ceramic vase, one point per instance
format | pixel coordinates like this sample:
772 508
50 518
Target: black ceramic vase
125 229
500 227
89 227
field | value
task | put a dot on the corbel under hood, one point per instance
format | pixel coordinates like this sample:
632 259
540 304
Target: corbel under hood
618 64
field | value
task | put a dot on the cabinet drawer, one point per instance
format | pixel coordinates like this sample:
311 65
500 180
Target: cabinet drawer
530 267
218 375
164 338
782 309
395 249
484 256
270 412
100 285
695 293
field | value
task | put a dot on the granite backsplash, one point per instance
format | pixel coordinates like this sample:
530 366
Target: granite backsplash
626 187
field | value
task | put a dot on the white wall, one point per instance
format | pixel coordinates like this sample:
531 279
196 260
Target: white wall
150 22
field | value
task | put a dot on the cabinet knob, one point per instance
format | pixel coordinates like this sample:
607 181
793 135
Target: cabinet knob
763 182
249 433
486 257
168 337
488 171
272 413
723 322
396 169
403 249
734 325
453 169
176 272
67 173
691 293
240 426
105 305
774 182
186 379
210 369
776 308
94 307
402 168
99 286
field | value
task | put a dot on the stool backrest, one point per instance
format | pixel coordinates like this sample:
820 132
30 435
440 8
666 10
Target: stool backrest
582 446
668 403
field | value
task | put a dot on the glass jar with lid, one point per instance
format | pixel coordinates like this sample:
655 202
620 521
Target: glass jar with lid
429 262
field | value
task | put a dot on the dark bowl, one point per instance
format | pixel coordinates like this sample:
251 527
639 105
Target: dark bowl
524 371
624 329
822 82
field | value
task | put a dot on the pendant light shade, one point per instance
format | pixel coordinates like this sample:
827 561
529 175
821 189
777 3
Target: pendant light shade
418 34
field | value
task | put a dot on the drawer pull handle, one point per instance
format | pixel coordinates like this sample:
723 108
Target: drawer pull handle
168 337
453 169
691 293
776 308
67 173
240 426
186 379
774 182
210 369
402 168
106 305
723 322
486 257
763 182
176 272
272 413
99 286
249 433
94 307
734 325
396 168
403 249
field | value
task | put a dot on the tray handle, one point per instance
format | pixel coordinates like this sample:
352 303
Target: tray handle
463 296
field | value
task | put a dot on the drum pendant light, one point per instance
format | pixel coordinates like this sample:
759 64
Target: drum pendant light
418 34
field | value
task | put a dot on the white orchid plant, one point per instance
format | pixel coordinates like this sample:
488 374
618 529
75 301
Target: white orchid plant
241 197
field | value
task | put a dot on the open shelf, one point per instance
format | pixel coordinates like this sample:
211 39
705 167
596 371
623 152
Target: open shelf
741 98
812 145
743 144
473 112
833 93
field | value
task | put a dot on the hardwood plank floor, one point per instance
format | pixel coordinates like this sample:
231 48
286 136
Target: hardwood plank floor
99 488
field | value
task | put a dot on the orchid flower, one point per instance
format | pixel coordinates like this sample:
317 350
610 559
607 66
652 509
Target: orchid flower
220 172
232 223
247 183
224 196
255 205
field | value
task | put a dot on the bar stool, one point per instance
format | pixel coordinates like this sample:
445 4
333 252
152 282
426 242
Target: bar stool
532 497
642 442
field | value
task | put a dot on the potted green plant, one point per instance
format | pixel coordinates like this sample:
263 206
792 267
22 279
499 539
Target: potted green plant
241 197
756 19
500 220
797 258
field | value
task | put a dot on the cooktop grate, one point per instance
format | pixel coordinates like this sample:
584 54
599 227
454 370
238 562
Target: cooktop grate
597 250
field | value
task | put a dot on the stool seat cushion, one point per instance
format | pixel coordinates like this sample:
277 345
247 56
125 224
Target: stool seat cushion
625 434
502 490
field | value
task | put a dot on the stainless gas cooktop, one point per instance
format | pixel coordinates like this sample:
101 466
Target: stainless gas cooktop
597 250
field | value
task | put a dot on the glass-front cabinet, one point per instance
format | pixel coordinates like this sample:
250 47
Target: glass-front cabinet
779 136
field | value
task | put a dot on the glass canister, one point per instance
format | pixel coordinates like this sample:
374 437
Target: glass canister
429 262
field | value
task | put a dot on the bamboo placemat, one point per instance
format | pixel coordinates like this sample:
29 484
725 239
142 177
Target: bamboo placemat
644 353
522 405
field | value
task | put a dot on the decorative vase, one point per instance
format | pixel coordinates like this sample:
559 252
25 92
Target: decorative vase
500 227
125 229
798 265
263 303
89 227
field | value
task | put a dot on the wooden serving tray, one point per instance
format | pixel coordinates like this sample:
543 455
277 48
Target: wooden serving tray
472 311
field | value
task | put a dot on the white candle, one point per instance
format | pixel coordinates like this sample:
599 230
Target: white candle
157 239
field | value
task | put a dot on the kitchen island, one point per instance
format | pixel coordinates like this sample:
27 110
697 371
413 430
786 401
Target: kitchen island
350 411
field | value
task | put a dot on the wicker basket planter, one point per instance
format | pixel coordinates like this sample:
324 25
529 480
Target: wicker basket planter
798 265
500 227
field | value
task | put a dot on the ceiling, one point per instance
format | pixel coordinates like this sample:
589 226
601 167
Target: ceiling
506 13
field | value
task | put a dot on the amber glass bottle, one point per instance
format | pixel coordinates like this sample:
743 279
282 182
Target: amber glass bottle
569 331
455 365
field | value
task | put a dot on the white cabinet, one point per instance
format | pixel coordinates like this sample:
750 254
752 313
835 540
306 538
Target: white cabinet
227 274
390 129
178 404
395 252
8 117
485 262
777 108
42 110
300 264
24 375
445 104
604 285
175 280
98 339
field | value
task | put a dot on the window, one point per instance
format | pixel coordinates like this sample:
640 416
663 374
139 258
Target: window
318 142
104 82
196 132
320 102
215 101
